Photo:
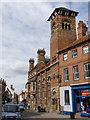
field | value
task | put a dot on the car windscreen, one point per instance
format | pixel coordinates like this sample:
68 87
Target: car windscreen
10 108
20 105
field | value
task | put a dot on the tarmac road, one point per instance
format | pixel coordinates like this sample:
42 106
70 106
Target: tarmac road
34 115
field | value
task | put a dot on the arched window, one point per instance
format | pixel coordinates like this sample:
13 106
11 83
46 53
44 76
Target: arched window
66 26
62 25
29 87
69 27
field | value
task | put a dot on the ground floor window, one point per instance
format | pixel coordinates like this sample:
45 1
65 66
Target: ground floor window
85 104
53 101
81 99
85 100
67 101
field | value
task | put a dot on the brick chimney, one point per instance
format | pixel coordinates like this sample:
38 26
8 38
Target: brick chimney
31 63
82 29
41 55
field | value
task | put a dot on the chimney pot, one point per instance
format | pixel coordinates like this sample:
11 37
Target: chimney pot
82 29
31 63
41 55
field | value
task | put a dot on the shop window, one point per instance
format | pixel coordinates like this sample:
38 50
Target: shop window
67 101
66 75
65 56
87 70
75 73
74 53
85 49
85 105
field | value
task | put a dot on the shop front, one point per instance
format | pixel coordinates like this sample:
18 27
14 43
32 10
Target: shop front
81 99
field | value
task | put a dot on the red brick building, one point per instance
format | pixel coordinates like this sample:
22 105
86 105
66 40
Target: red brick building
54 83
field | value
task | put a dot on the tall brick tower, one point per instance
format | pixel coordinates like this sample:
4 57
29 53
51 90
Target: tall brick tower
63 29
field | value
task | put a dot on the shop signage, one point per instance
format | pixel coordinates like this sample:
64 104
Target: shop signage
85 92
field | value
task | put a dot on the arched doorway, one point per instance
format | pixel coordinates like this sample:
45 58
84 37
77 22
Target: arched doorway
54 100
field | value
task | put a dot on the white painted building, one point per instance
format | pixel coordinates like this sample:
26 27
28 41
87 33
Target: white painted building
66 105
10 92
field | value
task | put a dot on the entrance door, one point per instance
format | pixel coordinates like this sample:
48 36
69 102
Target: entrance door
76 101
78 104
56 104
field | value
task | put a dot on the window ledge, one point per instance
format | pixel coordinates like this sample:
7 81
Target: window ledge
76 79
66 80
74 57
87 77
67 104
85 53
65 60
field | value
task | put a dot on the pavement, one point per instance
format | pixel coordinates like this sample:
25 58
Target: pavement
35 115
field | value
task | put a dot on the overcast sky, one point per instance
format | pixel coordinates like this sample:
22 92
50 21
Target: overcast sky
25 29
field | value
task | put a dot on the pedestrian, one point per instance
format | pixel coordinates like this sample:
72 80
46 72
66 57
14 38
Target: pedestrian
26 105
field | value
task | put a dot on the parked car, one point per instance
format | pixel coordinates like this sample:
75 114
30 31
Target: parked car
10 112
21 107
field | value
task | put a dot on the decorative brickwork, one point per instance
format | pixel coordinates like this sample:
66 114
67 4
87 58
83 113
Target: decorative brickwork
48 74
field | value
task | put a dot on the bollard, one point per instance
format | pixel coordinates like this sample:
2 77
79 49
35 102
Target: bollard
72 115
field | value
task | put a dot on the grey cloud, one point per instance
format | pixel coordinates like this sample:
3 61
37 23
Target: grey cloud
19 68
25 29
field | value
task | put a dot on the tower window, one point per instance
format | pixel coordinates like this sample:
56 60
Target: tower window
66 26
69 27
62 25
